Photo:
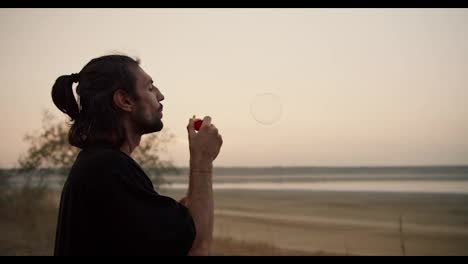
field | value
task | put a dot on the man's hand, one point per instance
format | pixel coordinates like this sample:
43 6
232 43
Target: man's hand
204 145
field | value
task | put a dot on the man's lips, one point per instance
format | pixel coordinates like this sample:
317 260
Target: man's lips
160 110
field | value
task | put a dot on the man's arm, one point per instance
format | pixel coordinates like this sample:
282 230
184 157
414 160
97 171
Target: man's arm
204 148
201 205
200 194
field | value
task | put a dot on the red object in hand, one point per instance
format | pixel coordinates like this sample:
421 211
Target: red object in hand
198 124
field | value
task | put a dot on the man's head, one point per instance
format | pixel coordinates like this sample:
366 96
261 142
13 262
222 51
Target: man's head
115 95
142 109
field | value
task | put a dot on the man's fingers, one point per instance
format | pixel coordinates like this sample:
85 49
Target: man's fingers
206 122
191 128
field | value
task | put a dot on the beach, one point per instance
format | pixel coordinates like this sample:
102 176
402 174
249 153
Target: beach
343 223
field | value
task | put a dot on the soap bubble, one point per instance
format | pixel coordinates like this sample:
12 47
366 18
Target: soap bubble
266 108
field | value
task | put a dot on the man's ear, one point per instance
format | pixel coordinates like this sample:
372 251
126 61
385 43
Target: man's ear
123 100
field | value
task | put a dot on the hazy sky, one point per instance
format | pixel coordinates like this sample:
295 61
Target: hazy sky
357 86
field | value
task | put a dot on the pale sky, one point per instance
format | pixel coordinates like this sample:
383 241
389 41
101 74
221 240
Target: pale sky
357 86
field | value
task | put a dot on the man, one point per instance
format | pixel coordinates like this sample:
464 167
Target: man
108 204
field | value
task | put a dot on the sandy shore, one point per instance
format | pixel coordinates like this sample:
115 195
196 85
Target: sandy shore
344 223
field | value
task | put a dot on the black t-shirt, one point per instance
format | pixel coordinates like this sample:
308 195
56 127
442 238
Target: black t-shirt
109 207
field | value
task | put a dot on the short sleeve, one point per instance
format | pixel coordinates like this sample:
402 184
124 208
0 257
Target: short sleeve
133 220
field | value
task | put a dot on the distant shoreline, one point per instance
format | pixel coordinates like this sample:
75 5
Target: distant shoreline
292 170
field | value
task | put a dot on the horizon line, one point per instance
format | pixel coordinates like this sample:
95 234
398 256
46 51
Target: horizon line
305 166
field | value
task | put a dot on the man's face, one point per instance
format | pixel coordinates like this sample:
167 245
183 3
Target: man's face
148 109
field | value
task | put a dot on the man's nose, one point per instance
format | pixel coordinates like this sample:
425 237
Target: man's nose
159 95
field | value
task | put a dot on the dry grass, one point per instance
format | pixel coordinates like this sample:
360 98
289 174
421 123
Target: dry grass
27 222
230 247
